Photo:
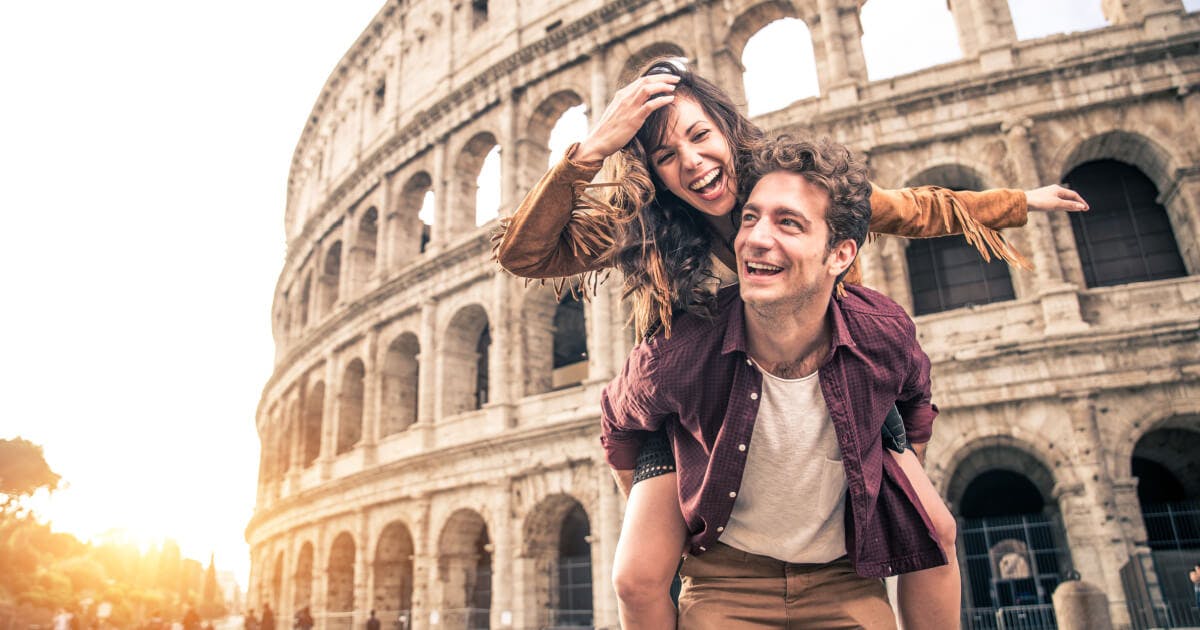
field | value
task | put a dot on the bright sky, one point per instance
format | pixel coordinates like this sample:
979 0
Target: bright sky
145 152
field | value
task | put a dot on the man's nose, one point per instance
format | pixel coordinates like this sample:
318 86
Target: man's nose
759 235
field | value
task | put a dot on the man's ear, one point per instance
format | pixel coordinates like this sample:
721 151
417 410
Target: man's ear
842 256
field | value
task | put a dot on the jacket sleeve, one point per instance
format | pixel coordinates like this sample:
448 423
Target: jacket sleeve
553 234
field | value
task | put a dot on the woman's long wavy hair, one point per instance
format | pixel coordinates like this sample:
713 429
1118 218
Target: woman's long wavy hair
662 245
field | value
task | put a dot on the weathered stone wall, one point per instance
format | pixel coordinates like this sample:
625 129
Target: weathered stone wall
1060 384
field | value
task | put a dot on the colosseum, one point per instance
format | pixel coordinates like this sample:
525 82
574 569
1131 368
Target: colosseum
430 432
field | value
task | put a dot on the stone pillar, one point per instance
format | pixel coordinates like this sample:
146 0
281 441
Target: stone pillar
362 571
427 371
1181 198
285 607
505 542
830 49
985 30
440 231
1081 606
510 190
345 279
598 98
600 337
372 408
1134 11
320 586
605 532
894 268
1097 541
424 566
329 413
500 378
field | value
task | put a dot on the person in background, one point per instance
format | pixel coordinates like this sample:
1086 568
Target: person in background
373 622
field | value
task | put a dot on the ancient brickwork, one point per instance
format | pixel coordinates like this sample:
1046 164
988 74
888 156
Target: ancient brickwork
421 454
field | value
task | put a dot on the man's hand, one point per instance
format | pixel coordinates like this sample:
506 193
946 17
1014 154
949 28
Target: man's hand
919 449
624 479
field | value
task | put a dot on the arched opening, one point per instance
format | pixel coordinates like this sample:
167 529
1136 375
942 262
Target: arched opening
1167 469
1033 20
1126 236
465 571
339 598
946 273
350 411
302 591
780 66
409 226
570 343
401 372
477 181
464 365
330 274
558 121
572 127
362 256
558 541
314 407
394 573
1012 548
889 47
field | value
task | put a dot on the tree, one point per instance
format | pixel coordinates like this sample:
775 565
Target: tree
23 471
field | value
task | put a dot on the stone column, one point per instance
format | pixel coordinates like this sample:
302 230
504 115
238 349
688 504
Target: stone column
985 30
320 583
345 280
500 378
598 98
427 371
600 335
1090 517
1152 12
362 572
424 566
505 542
1081 606
440 231
1181 198
285 607
604 547
894 269
329 413
372 397
510 190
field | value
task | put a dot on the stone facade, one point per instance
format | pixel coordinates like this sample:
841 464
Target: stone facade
423 452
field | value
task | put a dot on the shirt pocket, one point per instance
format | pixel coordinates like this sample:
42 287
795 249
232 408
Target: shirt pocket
832 485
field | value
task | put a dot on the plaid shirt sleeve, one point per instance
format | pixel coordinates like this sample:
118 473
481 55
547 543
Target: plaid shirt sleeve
629 411
915 404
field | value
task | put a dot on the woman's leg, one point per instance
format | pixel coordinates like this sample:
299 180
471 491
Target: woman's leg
648 552
930 599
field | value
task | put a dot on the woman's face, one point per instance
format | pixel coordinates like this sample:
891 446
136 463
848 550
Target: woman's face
694 161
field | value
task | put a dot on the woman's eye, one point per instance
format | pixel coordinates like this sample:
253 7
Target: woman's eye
663 157
700 136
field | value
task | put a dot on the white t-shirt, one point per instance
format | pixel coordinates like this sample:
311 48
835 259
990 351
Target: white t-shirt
793 495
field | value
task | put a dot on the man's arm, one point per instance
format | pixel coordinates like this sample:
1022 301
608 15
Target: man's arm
915 401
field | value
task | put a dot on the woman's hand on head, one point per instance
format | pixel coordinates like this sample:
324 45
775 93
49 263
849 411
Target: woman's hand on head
625 115
1054 198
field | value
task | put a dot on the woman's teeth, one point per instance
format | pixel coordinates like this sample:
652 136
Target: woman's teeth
705 181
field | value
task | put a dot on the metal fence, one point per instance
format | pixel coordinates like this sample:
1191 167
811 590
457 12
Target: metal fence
1174 526
469 618
1169 615
564 618
1010 618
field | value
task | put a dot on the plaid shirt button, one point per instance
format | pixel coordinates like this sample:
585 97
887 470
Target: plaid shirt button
720 529
753 395
732 495
742 447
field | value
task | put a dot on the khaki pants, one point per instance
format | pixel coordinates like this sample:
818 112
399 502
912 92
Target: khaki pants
728 589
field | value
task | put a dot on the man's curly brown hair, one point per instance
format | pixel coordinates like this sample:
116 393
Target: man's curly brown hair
824 163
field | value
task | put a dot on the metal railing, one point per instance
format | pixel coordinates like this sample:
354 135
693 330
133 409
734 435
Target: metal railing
469 618
1169 615
561 618
1039 617
1173 525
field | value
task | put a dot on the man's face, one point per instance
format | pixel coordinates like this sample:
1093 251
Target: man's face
781 246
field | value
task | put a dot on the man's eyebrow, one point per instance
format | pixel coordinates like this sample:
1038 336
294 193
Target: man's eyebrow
792 214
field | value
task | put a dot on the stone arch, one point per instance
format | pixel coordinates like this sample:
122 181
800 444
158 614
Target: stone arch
558 544
401 373
1142 149
303 578
339 597
953 173
569 350
407 232
1167 413
465 180
753 19
350 406
947 273
464 378
362 254
393 571
629 70
465 568
331 270
535 141
881 29
778 59
314 409
1014 439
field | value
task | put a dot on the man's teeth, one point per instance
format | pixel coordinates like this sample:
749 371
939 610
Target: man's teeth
763 267
706 180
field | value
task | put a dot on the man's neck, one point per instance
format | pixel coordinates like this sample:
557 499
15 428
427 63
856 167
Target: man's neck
789 343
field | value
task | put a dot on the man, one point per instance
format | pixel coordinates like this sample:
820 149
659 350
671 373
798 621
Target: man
373 622
774 408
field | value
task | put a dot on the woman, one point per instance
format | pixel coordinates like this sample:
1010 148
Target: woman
672 141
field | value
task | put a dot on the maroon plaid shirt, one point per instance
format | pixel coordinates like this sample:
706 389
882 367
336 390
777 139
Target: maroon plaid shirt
701 385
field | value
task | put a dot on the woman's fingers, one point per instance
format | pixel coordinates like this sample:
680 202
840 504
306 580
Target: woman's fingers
1055 198
625 114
